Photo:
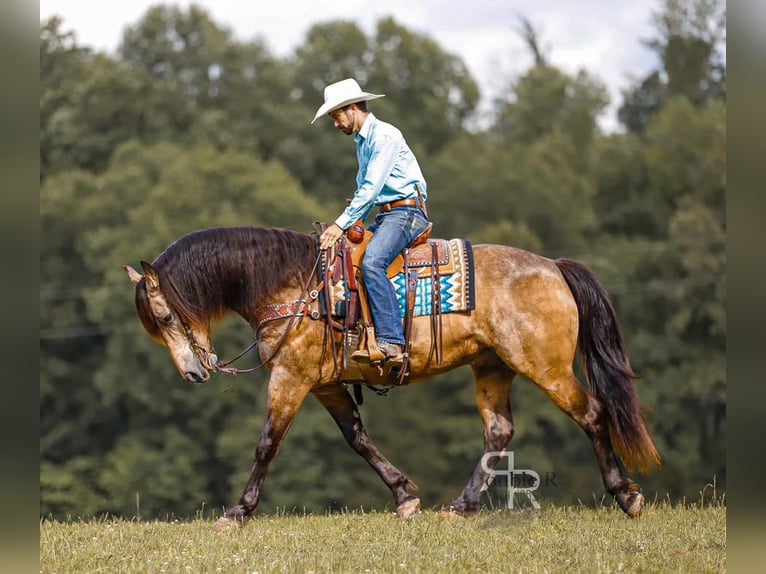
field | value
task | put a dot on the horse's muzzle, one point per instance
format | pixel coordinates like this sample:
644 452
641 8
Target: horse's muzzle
195 377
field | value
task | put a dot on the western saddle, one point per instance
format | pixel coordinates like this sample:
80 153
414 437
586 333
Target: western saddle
345 307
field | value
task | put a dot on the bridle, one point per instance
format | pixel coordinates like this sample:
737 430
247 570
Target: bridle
204 356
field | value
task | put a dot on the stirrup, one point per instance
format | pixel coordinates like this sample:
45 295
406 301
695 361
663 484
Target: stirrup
363 355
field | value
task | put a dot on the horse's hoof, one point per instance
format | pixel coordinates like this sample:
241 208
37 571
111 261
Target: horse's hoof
450 515
635 504
631 502
408 508
224 524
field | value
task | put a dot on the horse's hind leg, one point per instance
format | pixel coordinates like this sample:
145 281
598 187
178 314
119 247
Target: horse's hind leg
493 386
337 400
569 395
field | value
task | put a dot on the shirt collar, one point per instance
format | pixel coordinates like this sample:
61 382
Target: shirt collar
364 131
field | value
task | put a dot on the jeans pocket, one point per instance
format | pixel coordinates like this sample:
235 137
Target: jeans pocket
417 225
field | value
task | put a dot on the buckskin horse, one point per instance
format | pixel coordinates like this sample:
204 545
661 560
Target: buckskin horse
531 316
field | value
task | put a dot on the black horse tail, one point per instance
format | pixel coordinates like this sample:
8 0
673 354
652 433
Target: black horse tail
607 368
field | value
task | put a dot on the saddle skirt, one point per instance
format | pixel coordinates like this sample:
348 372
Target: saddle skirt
424 256
449 289
453 270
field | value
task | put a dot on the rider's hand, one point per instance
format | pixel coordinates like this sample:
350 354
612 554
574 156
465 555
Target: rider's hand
330 236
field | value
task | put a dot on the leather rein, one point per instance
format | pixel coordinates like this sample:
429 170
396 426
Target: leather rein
299 310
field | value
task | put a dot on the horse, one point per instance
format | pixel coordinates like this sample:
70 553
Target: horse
533 316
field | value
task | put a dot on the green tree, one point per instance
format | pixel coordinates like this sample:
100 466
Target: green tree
331 51
72 419
469 189
91 103
182 46
691 34
62 68
431 92
690 38
237 92
532 168
546 99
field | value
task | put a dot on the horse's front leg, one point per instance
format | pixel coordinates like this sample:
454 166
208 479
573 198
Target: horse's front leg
493 385
285 397
338 402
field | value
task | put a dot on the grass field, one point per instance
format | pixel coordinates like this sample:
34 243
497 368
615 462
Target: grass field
559 539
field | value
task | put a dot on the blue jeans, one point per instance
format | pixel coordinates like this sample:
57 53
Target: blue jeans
392 232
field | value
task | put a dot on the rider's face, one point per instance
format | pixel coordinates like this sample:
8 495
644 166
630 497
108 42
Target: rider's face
344 120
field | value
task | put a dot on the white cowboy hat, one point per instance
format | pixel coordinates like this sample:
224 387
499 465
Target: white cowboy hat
341 94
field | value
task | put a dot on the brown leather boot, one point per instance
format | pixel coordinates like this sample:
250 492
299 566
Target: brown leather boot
393 354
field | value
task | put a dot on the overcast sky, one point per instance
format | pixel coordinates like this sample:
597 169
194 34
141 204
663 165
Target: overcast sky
603 37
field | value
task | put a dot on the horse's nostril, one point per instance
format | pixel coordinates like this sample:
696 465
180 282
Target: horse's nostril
193 377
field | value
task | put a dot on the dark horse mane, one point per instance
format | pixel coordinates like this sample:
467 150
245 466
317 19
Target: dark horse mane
205 272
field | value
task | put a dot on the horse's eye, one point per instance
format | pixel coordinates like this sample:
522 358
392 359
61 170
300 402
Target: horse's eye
167 319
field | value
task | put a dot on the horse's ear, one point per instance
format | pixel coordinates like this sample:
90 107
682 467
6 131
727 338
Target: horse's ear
134 275
152 281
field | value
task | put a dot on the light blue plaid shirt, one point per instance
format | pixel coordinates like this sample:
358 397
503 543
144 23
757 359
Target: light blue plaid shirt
388 170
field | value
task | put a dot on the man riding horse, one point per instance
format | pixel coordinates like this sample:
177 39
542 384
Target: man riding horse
390 178
529 316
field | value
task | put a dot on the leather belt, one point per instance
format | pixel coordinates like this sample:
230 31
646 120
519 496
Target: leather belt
386 207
